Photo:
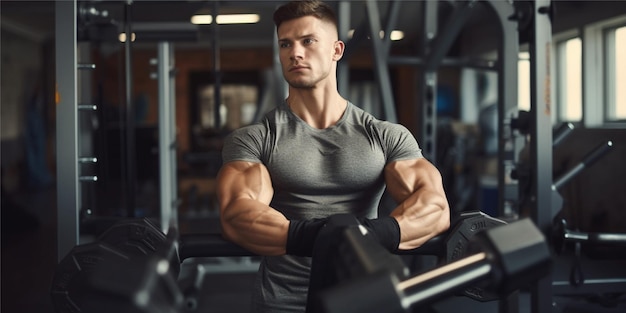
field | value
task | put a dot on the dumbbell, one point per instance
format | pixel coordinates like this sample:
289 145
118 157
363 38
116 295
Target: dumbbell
454 244
123 245
130 245
143 284
502 258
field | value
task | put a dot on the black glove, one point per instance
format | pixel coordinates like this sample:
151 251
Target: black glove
385 229
302 234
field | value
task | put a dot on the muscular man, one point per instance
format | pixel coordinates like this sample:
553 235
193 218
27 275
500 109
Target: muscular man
314 155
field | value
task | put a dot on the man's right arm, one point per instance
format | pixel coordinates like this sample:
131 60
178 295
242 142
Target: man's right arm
244 192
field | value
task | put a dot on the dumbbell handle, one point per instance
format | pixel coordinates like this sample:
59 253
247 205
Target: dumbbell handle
381 291
430 286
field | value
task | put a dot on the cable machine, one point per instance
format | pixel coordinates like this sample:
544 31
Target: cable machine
73 155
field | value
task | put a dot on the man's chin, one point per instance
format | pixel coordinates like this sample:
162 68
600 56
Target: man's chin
300 84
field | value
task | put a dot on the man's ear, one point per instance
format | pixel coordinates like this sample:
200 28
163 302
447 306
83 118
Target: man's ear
338 50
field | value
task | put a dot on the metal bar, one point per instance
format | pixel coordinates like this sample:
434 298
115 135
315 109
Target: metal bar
86 66
487 65
359 34
88 178
88 160
589 159
441 44
427 287
68 196
428 86
280 85
131 161
380 62
542 211
217 84
88 107
343 69
390 24
591 286
561 133
167 148
509 146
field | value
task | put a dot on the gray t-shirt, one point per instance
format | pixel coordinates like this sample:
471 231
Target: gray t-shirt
316 173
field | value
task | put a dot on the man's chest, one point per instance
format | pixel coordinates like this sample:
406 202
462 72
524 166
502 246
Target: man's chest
325 163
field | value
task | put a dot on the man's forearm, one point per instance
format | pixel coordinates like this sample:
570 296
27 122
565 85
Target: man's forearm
255 226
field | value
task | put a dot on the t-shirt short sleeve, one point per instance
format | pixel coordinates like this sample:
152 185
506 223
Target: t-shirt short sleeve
244 144
399 143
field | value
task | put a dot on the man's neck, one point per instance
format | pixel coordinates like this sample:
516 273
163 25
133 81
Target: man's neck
318 109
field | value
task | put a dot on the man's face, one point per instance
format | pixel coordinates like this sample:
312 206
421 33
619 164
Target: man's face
308 50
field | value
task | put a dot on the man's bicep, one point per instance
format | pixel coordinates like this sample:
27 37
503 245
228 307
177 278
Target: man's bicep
404 177
244 180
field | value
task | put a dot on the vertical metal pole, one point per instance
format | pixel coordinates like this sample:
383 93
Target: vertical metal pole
508 146
217 72
167 137
381 67
281 88
68 196
174 146
429 86
343 68
541 140
130 115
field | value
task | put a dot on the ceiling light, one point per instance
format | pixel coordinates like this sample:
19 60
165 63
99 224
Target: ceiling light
201 19
226 19
395 34
122 37
238 19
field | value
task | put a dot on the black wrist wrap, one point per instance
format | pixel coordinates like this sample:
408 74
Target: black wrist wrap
301 236
385 229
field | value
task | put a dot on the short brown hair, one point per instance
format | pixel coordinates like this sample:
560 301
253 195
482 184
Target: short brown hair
296 9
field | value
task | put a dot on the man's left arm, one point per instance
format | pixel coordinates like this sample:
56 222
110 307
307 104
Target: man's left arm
423 211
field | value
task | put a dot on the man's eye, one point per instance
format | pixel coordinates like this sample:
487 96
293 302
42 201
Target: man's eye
283 45
308 41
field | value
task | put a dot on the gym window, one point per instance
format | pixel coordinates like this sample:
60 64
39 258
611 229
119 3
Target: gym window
569 80
523 81
604 73
615 65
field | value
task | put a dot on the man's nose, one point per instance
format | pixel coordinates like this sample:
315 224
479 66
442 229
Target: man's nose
297 52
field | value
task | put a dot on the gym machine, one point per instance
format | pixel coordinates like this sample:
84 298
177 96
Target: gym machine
74 180
123 264
587 265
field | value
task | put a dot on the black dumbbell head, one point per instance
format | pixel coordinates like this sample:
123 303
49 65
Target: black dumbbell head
519 253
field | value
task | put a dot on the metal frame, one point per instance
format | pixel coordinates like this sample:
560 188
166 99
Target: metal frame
167 137
68 187
428 85
380 48
541 141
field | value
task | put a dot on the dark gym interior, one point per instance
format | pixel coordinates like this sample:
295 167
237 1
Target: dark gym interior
485 168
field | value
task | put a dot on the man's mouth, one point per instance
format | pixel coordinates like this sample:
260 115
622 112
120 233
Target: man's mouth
296 68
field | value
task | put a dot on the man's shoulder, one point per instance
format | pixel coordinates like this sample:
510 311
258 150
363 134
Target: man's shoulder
369 119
